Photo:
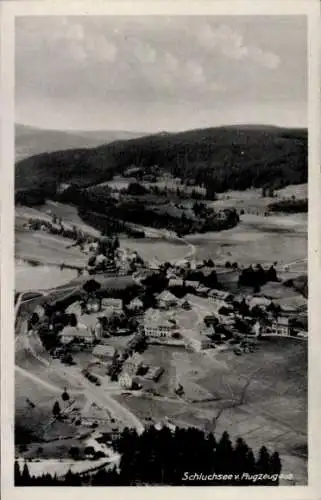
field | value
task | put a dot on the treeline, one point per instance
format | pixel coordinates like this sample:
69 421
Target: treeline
257 277
163 457
291 206
217 158
179 191
99 208
107 225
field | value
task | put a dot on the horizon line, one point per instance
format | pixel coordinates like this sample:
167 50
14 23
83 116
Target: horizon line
165 131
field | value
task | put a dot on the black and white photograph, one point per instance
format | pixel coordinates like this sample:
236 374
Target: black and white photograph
161 250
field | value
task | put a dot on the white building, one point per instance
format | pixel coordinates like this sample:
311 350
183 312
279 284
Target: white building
166 299
136 305
132 364
103 351
125 380
281 326
198 344
215 295
175 282
157 324
80 333
114 304
257 329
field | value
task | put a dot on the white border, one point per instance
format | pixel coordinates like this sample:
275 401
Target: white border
225 7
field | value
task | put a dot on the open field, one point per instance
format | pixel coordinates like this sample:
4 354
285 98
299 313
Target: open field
28 277
273 410
48 249
257 239
150 249
33 408
252 200
69 214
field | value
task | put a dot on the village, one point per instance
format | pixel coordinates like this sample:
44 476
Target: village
181 304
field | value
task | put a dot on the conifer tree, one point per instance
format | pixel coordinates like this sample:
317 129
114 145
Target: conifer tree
263 463
17 473
275 464
25 478
56 409
224 454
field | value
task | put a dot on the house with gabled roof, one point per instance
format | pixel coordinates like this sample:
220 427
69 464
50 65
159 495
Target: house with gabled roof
166 300
158 324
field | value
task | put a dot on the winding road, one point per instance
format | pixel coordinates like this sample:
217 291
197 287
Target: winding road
99 395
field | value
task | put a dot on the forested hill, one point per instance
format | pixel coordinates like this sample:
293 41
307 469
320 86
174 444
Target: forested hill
232 157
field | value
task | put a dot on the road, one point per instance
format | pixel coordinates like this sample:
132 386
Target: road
38 380
101 397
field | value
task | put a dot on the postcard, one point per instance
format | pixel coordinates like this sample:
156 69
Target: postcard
160 249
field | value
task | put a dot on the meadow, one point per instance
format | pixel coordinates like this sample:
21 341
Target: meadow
256 239
274 408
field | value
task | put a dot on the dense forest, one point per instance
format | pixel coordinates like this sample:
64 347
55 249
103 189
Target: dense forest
291 206
219 159
100 209
163 457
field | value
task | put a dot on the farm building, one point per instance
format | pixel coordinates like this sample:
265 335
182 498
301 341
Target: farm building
104 351
155 265
115 304
210 319
132 364
184 263
78 333
136 305
166 299
154 373
207 331
258 301
203 291
192 284
198 344
220 295
175 282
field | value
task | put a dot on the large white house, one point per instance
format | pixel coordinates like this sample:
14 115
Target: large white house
281 326
158 324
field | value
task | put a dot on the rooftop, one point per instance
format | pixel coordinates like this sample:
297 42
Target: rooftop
103 350
167 296
155 317
77 331
136 359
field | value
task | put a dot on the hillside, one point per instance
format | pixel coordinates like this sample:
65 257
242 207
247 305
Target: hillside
30 141
221 158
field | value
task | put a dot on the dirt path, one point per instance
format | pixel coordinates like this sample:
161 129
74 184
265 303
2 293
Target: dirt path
38 380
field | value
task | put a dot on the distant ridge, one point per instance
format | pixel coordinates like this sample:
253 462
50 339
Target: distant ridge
229 157
30 141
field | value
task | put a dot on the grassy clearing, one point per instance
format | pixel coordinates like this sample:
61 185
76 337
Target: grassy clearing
274 410
43 247
256 240
145 408
150 249
33 409
58 449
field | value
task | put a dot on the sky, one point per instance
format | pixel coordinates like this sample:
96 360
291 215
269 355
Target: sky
156 73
